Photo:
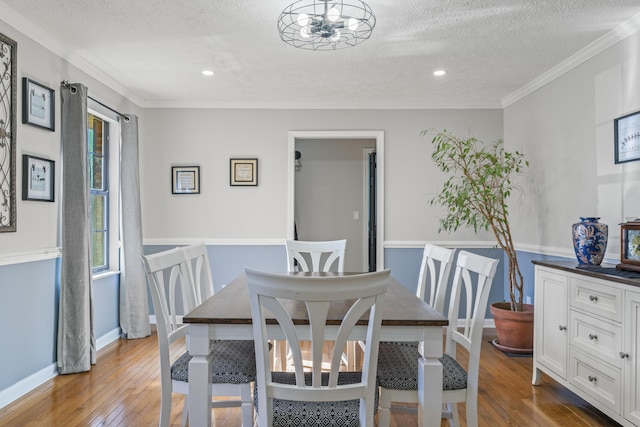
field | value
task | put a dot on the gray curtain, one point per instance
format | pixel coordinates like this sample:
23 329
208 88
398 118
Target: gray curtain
76 339
134 305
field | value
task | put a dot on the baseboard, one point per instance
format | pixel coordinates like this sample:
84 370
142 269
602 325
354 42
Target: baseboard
108 338
29 383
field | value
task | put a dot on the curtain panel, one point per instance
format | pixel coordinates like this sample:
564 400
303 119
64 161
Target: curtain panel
76 350
134 303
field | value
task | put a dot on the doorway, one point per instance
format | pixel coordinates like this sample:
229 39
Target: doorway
372 231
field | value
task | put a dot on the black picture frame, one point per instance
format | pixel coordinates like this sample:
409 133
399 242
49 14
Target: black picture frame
38 178
38 104
626 136
243 172
185 179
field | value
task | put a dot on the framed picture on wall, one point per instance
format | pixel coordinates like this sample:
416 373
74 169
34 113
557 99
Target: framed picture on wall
244 172
626 131
38 104
38 178
185 179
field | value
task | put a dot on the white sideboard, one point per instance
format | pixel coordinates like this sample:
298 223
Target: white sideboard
586 336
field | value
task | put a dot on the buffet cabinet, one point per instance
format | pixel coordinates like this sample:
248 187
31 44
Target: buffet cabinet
586 336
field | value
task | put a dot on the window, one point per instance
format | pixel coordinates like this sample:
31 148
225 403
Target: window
103 184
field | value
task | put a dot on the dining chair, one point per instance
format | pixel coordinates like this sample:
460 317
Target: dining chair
315 256
316 397
398 365
232 362
435 269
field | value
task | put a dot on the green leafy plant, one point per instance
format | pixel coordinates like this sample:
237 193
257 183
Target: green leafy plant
476 192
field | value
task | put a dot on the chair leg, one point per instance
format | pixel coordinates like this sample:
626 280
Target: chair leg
247 406
384 408
165 408
282 354
472 410
185 411
455 417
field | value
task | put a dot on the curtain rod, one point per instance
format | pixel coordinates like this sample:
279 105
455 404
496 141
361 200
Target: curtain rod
66 83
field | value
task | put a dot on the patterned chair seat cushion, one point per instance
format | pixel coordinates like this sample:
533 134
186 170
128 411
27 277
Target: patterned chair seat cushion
295 413
398 368
233 362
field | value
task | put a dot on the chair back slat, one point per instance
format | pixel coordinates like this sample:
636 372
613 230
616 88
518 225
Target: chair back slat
436 267
320 256
280 297
468 330
197 263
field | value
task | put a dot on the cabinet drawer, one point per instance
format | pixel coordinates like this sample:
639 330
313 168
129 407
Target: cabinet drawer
596 337
596 298
596 379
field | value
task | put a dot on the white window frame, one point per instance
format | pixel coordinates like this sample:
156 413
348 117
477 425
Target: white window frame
113 219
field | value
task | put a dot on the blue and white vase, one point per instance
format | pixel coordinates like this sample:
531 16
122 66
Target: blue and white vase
590 240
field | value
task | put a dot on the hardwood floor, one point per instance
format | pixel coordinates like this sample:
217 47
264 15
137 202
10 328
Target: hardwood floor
123 389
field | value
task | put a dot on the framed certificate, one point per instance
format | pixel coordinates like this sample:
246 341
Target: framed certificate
244 172
185 179
627 138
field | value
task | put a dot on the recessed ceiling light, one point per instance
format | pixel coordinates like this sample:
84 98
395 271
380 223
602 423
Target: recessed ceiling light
207 73
439 73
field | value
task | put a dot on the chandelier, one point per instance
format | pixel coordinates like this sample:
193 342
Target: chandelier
325 24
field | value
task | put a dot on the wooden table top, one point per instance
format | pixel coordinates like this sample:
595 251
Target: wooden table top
231 306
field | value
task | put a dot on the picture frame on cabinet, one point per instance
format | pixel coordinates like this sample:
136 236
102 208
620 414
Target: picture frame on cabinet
626 138
243 172
185 179
38 178
38 104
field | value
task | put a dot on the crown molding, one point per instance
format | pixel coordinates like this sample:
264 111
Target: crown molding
83 60
619 33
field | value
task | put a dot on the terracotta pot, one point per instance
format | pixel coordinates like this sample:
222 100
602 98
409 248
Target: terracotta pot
514 328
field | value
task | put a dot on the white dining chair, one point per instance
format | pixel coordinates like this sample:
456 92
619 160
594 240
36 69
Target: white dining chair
312 257
232 362
316 256
316 397
435 269
398 365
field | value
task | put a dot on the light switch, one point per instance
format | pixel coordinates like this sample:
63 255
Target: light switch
356 215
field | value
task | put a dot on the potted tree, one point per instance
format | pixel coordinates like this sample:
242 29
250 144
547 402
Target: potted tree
475 195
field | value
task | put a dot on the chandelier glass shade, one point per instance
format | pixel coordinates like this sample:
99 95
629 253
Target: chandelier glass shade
326 24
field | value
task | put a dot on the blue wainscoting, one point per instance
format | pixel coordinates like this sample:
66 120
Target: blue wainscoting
29 299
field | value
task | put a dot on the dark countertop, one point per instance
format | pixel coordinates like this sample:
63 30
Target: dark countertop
604 271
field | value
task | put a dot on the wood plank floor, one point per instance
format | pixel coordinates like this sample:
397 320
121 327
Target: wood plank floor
123 389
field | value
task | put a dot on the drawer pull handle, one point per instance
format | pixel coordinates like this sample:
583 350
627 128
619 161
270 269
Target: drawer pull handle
592 379
562 327
593 337
624 355
593 298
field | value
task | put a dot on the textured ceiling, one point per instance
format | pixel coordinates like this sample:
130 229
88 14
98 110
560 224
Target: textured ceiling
153 51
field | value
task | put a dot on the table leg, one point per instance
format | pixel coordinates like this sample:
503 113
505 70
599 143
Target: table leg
199 389
429 392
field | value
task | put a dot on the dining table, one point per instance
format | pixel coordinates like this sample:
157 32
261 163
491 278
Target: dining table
227 316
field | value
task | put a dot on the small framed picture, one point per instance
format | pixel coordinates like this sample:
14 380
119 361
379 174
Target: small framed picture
626 131
38 104
38 178
244 172
185 179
